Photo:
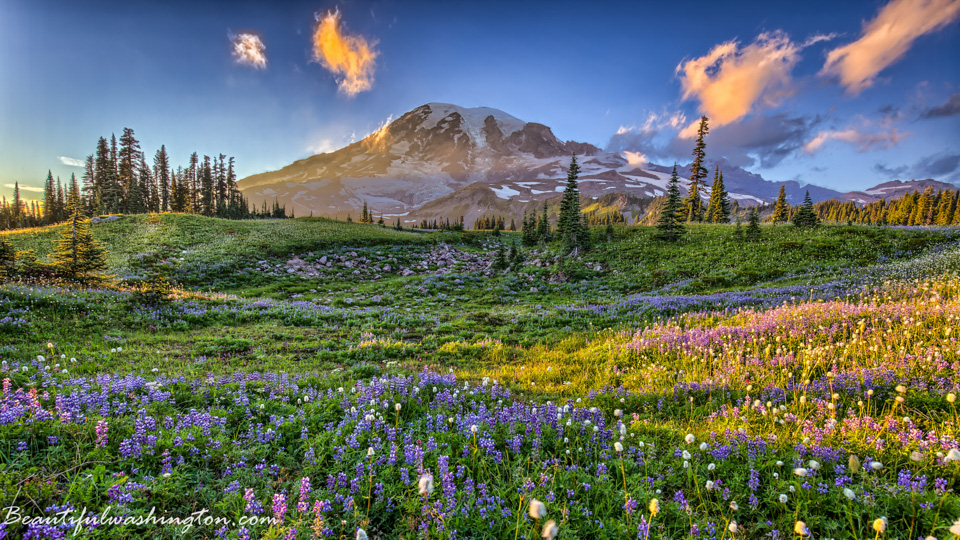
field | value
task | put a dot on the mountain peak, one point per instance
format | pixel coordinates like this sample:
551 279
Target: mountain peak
474 118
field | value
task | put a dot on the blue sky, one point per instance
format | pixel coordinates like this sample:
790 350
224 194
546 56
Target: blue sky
799 90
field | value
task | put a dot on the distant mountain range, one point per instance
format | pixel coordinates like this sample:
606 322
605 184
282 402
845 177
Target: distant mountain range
441 160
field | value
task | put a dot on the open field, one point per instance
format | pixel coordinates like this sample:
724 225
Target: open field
745 386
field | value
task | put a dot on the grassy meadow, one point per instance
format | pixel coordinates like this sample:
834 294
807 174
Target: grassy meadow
309 378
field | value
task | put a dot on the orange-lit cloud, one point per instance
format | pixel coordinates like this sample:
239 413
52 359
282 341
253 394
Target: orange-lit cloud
731 81
886 39
351 58
378 139
863 138
248 49
635 159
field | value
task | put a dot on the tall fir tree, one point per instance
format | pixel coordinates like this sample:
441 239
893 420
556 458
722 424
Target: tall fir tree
192 188
74 204
17 214
148 187
207 200
543 226
89 193
570 226
669 226
161 171
781 210
128 161
105 173
698 174
61 203
49 199
718 211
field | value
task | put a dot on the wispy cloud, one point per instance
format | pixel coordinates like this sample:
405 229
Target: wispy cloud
943 166
759 139
321 146
249 49
886 39
349 57
71 162
950 108
731 81
866 136
25 188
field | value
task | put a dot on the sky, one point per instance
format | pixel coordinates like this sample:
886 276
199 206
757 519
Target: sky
839 94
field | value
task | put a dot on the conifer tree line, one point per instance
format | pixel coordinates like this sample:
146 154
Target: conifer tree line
926 208
489 223
442 225
120 178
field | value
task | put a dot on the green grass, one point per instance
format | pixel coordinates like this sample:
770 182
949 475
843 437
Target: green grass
214 245
710 257
533 343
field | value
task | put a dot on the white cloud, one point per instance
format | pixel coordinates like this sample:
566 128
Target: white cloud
886 39
248 49
72 162
321 146
864 137
25 188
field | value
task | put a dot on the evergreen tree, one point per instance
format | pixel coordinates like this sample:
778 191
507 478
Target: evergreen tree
207 200
105 173
805 216
543 226
179 192
528 230
61 203
669 226
161 171
698 172
363 215
129 160
150 197
49 199
718 211
753 224
192 186
781 210
91 196
79 256
570 225
17 215
73 204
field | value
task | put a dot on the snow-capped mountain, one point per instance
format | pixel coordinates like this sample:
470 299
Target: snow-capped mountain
438 150
894 189
427 153
443 161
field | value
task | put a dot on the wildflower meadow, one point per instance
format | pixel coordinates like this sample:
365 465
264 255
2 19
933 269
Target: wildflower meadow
804 396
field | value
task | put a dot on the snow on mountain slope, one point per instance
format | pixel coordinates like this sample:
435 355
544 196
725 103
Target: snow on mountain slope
441 157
